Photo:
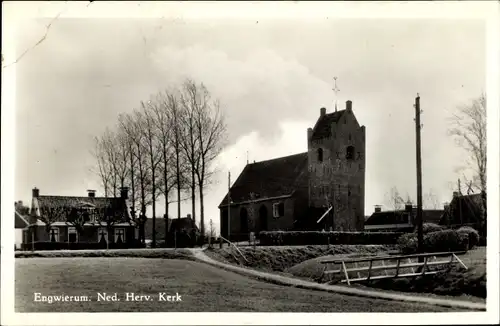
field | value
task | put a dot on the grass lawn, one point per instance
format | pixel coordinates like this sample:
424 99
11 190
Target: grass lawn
202 288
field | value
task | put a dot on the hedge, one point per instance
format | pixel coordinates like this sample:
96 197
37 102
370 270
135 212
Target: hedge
438 241
40 245
431 227
297 238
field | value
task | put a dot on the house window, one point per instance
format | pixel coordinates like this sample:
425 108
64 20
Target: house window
72 234
278 210
320 154
349 155
119 235
102 235
54 234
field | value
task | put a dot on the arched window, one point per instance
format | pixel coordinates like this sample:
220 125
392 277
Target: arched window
349 155
320 154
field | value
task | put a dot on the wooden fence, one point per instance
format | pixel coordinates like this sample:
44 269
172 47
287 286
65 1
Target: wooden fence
377 267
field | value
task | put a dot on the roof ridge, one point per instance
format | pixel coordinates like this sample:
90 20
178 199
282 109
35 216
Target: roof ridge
68 196
281 157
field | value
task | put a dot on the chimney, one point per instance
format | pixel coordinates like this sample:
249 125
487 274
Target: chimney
189 216
408 207
124 192
91 193
455 194
35 192
309 133
322 112
446 206
378 208
348 105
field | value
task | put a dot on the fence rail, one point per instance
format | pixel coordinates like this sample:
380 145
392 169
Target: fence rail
235 247
403 269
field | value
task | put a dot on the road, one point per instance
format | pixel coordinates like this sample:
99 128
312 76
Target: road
199 286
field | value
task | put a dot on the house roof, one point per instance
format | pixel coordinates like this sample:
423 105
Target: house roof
20 222
323 127
43 205
183 223
271 178
463 209
401 216
387 217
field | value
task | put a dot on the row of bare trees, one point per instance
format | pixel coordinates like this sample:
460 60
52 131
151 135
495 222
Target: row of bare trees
165 149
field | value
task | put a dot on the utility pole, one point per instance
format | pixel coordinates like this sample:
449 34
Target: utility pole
229 205
418 127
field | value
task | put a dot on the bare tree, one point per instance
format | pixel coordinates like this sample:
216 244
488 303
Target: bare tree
394 199
210 132
166 138
431 200
469 131
103 168
170 101
51 214
132 125
189 102
468 128
153 152
110 148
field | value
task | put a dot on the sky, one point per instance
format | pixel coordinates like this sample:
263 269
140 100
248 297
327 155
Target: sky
271 77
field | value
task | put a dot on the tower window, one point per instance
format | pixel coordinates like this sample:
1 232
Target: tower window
320 155
350 138
349 155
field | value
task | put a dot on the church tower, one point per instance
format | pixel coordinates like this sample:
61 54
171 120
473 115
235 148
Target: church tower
336 160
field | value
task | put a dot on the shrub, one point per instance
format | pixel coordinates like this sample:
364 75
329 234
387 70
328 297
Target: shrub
431 227
472 234
408 243
446 240
437 241
298 238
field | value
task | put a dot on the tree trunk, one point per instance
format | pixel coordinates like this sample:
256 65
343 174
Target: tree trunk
178 168
193 195
153 242
132 170
202 214
166 222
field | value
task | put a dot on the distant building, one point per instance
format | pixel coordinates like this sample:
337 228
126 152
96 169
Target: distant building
182 226
293 192
121 231
464 210
20 223
404 220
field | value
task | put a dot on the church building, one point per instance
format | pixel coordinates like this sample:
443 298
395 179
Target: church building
321 189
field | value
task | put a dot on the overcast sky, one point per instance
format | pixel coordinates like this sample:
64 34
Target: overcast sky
271 76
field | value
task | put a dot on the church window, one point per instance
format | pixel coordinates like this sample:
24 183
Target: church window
320 155
278 209
349 155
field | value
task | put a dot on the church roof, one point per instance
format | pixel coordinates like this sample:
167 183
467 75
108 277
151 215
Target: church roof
323 127
271 178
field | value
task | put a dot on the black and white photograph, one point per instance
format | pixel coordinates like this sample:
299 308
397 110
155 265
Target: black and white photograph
206 158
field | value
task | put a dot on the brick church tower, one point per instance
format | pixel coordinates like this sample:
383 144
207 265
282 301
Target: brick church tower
336 162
